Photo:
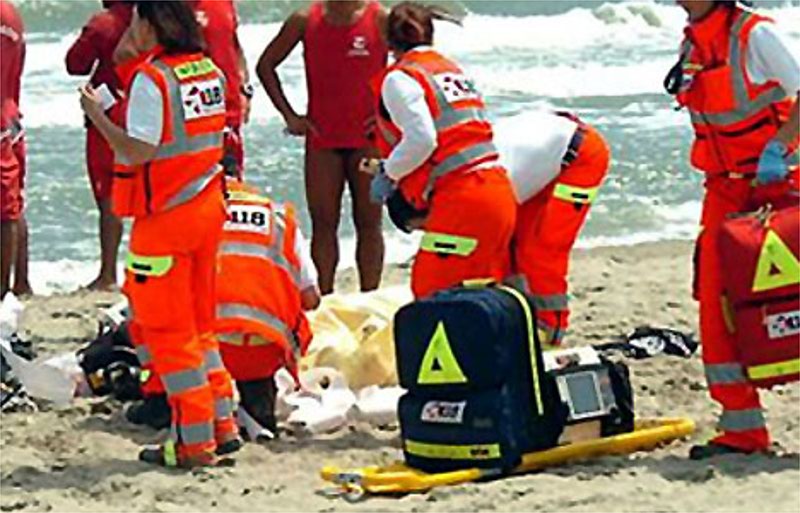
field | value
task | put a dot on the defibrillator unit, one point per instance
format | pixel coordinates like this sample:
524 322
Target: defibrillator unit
594 389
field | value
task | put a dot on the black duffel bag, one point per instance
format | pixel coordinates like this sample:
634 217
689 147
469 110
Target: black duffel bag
111 365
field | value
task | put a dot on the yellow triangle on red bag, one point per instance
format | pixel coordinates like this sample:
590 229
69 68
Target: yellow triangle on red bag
777 265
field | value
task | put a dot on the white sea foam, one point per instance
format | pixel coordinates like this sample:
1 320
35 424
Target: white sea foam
560 56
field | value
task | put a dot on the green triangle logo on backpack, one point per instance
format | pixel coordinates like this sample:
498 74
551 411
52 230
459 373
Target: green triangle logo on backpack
439 365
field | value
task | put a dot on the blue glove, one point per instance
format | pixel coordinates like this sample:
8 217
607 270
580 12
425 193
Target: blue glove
772 165
381 188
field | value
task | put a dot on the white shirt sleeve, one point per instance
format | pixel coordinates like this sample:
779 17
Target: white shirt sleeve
769 58
308 272
145 116
404 98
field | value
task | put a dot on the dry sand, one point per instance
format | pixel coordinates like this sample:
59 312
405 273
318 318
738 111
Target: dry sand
84 458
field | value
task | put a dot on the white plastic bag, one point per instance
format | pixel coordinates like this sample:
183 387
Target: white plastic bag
51 380
10 315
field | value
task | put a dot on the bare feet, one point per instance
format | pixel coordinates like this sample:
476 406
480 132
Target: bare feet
22 290
102 285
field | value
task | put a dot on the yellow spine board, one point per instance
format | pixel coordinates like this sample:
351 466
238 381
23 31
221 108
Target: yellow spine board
398 478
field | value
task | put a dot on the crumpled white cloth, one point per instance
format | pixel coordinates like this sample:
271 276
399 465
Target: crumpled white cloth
325 403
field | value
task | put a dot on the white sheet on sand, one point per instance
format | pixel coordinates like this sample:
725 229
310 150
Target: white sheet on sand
348 373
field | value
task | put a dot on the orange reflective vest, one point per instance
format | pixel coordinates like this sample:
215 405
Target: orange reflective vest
733 118
188 155
464 134
258 280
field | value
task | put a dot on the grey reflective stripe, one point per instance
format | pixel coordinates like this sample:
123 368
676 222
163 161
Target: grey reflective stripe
750 108
185 145
550 302
742 420
734 55
724 374
194 187
143 354
746 107
454 117
181 381
196 433
223 408
229 311
248 249
473 153
212 360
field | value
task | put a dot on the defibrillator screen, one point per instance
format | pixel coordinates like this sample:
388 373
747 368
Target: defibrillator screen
583 397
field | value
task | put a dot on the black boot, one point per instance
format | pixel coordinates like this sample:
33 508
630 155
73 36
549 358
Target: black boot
712 450
258 399
154 411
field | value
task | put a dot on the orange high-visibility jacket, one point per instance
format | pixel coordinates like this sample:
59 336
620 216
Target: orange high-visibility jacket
258 283
733 118
464 134
191 143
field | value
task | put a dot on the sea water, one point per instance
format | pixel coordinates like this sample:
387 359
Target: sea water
605 61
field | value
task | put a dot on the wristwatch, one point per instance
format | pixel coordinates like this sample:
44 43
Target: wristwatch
247 91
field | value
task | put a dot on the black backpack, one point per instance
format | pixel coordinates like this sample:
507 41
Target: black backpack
478 395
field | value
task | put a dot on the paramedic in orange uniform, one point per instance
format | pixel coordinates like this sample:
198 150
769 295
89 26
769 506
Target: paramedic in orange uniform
740 85
437 143
265 282
343 49
13 228
167 177
556 164
92 53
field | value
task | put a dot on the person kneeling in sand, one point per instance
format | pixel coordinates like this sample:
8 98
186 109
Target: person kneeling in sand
556 164
265 282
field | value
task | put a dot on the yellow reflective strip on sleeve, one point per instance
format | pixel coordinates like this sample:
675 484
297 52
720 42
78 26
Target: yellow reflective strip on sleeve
454 452
774 370
777 266
537 389
573 194
194 68
248 196
445 244
149 265
478 283
144 376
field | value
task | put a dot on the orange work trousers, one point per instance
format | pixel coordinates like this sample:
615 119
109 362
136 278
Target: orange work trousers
170 284
478 206
547 227
742 424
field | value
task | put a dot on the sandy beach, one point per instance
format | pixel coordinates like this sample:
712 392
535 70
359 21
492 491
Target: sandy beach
83 458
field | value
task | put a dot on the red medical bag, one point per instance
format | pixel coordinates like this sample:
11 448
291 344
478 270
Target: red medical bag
759 256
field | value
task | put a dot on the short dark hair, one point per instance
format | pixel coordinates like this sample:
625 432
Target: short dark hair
410 24
175 24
